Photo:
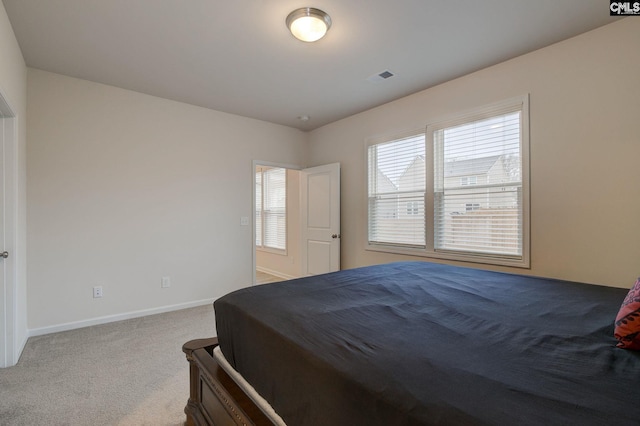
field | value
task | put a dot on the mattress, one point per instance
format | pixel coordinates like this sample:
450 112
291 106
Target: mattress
419 343
246 387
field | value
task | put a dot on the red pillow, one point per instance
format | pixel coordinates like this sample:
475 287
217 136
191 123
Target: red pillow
627 329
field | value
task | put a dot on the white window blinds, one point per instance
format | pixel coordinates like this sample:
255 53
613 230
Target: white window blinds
271 208
396 191
258 207
478 186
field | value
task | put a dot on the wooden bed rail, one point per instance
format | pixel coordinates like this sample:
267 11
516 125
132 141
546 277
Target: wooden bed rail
214 398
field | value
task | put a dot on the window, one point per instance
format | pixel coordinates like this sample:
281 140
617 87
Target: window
469 175
468 180
413 208
396 192
472 206
271 208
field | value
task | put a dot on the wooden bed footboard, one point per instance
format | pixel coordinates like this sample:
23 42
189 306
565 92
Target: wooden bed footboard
214 398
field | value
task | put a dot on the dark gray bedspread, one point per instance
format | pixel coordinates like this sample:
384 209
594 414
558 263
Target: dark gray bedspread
420 343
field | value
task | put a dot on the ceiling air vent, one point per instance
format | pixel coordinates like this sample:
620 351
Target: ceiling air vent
380 76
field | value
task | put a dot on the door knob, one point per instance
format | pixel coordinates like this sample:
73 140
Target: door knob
335 236
4 254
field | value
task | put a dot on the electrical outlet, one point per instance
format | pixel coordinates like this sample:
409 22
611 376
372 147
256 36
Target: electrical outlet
165 282
97 292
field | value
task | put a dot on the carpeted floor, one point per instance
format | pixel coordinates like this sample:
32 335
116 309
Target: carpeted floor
130 372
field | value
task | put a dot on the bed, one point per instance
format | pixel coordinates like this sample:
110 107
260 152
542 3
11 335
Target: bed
415 343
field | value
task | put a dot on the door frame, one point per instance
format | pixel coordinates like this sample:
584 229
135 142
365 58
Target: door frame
256 163
10 348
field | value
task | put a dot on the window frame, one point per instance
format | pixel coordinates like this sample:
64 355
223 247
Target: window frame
379 246
519 103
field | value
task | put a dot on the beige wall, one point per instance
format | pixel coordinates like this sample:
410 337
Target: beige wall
585 146
126 188
286 265
13 86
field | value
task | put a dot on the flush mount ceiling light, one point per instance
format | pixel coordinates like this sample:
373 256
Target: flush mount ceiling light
308 24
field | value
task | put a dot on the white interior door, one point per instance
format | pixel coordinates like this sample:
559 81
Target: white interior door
320 219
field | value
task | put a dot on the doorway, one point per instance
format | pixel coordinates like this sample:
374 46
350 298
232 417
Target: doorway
276 222
309 199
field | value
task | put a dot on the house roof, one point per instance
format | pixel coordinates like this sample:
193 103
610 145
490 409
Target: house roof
475 166
472 167
384 180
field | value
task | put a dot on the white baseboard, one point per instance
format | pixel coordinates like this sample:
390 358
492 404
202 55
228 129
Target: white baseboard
113 318
276 273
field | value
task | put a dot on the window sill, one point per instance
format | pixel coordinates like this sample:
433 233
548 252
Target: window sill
514 262
272 251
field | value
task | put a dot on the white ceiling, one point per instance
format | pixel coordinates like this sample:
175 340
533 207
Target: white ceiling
237 56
